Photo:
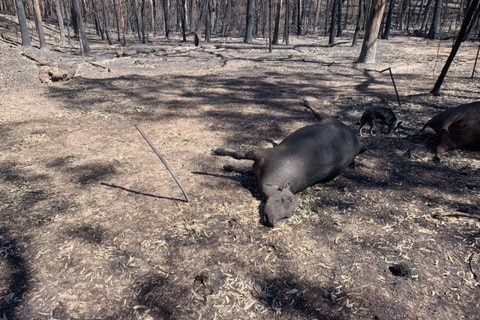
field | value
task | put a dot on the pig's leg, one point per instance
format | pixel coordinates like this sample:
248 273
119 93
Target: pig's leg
239 155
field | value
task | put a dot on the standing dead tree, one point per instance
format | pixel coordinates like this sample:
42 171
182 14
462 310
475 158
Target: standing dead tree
471 16
369 45
22 19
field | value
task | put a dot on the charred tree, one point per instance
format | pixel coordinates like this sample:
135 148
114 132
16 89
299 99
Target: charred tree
84 46
183 19
276 29
61 26
106 28
359 23
388 21
333 22
469 20
39 24
434 31
369 45
250 21
166 18
286 31
22 20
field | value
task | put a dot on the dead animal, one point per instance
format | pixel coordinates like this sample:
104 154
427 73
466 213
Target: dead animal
373 115
312 154
457 127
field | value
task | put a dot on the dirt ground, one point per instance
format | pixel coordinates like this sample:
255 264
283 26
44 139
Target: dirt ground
94 227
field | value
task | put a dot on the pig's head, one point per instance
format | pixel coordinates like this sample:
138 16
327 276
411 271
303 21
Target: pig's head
280 205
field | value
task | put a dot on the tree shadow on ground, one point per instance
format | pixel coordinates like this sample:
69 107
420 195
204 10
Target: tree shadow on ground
18 280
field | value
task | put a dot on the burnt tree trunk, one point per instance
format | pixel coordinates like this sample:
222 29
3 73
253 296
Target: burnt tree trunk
276 29
249 26
22 20
434 31
388 22
84 46
359 23
469 20
39 24
369 45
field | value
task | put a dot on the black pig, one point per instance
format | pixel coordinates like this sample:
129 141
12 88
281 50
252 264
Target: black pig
312 154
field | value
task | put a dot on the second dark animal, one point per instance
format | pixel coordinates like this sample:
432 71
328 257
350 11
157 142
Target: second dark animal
372 115
312 154
457 127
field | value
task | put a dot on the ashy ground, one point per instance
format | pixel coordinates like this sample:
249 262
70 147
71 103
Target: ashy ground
94 227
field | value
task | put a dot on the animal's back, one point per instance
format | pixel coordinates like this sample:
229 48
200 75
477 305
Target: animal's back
469 112
312 154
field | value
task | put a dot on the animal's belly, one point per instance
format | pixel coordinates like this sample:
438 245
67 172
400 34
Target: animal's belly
296 174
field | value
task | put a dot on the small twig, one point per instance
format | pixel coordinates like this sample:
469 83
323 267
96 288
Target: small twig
470 258
97 65
164 161
456 214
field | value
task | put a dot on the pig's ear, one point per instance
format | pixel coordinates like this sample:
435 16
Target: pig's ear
285 186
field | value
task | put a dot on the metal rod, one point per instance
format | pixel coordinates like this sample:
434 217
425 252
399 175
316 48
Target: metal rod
164 161
394 86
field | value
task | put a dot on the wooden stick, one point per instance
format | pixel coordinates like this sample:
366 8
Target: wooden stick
394 86
475 276
164 161
456 214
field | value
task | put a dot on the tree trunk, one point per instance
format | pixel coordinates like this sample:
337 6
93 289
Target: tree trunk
435 26
286 31
250 17
183 20
68 20
117 19
425 15
333 22
270 13
136 22
227 20
166 18
299 17
122 22
22 21
276 29
339 18
142 21
84 46
469 20
369 45
105 23
61 25
190 15
388 22
98 26
208 20
39 24
359 23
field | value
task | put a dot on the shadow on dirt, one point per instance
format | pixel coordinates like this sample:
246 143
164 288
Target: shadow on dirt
88 233
92 173
18 280
139 192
